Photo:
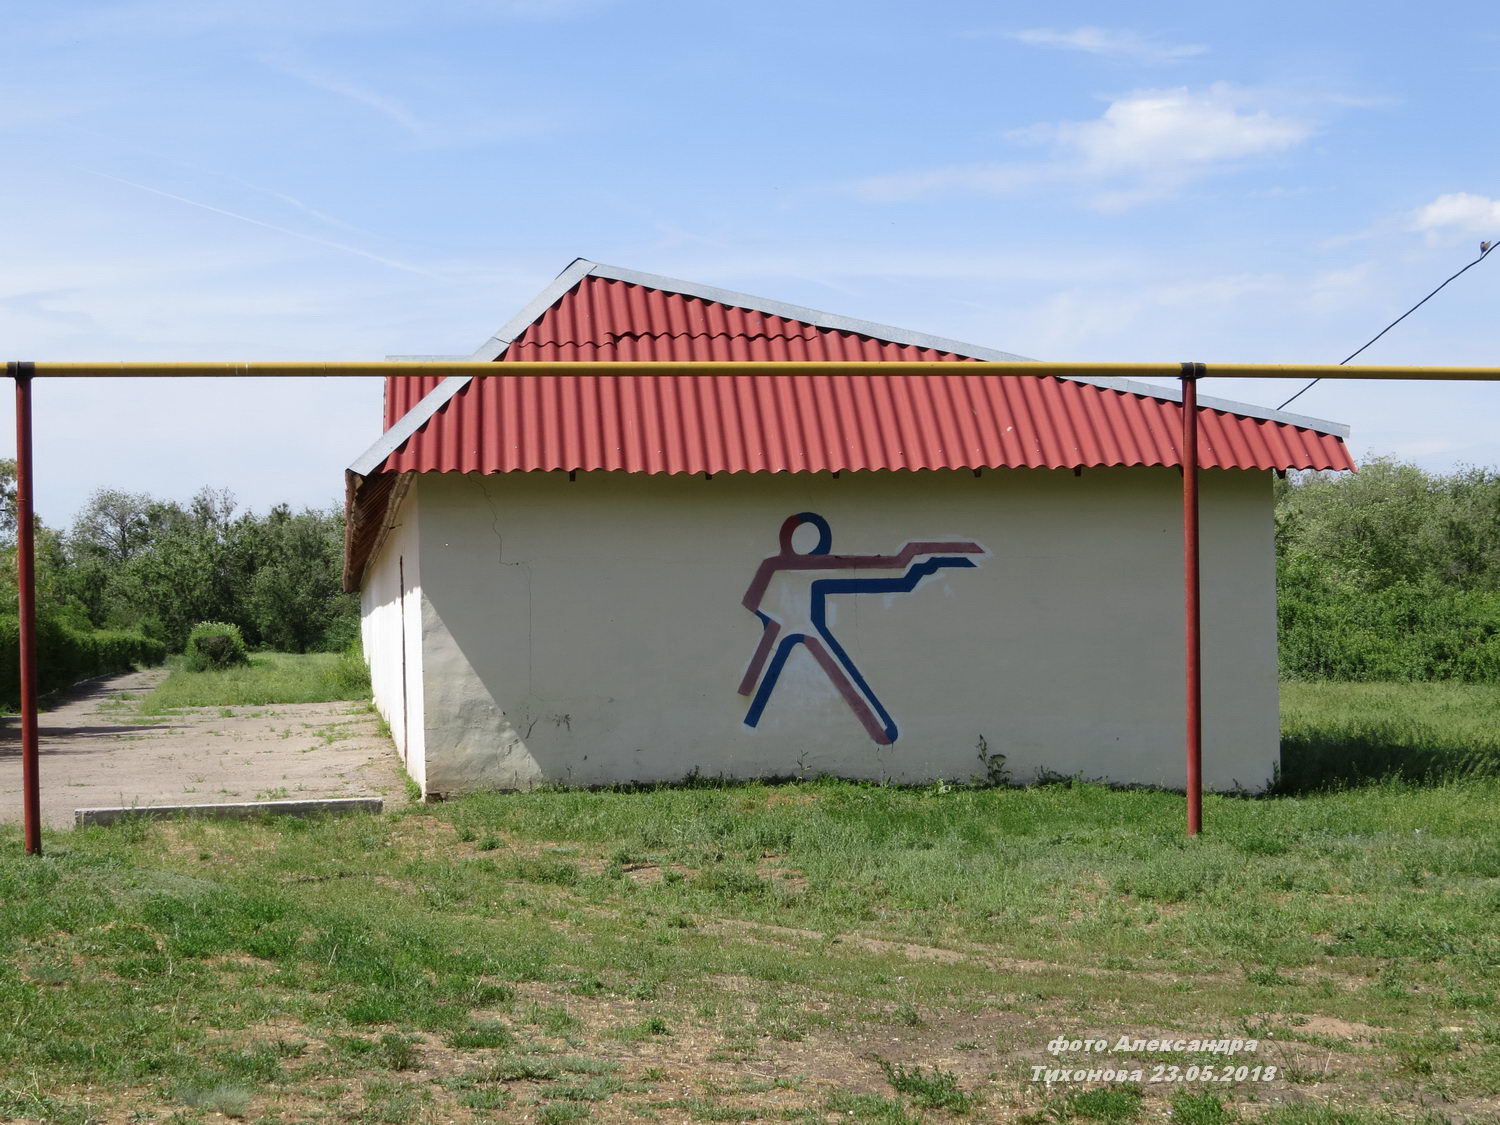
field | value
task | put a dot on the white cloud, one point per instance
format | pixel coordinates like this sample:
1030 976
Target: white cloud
1146 145
1460 213
1151 127
1116 43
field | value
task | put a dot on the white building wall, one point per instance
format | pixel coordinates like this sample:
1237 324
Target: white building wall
592 631
391 630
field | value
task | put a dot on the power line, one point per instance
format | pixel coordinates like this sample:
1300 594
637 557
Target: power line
1485 250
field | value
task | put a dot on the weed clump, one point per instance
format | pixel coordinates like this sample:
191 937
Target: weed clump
930 1088
1112 1105
218 1097
481 1034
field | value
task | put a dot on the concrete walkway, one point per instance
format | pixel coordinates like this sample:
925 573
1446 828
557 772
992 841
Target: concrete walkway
98 749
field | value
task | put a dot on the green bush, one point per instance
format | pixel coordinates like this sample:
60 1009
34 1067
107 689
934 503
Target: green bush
214 644
1407 631
1389 574
67 654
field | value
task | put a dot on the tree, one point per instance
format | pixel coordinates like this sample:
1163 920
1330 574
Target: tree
115 525
1391 523
296 601
137 563
1391 573
7 500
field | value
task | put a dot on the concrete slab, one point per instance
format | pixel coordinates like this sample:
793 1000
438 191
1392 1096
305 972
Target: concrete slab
99 751
243 810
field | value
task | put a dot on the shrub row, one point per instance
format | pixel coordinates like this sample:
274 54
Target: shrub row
67 654
1407 631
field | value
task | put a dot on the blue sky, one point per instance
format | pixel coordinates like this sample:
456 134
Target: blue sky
332 179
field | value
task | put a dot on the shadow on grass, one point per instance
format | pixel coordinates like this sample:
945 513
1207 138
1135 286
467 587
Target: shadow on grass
1311 763
1316 761
1336 735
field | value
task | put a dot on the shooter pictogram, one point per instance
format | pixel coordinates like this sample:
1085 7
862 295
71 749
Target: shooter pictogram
790 596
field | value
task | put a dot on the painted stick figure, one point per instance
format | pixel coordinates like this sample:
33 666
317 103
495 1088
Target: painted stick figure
789 595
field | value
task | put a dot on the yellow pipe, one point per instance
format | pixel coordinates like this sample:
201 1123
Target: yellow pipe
1335 371
134 369
345 368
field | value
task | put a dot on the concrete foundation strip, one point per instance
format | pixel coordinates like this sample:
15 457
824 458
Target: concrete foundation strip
244 810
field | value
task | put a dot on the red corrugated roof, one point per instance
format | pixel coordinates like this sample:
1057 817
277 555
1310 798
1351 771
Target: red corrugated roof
821 423
725 424
758 423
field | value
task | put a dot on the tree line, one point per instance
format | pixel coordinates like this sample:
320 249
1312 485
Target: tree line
1391 573
131 561
132 574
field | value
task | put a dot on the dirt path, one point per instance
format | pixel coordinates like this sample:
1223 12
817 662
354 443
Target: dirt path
97 749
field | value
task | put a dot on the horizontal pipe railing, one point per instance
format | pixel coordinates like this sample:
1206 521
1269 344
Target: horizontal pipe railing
137 369
1186 374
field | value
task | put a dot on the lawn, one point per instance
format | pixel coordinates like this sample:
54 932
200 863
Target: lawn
270 677
822 951
1353 732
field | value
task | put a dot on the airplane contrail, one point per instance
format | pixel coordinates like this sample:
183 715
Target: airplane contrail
391 262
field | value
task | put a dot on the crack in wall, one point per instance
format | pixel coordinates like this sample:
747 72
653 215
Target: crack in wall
494 521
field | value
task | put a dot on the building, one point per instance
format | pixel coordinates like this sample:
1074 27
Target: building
625 577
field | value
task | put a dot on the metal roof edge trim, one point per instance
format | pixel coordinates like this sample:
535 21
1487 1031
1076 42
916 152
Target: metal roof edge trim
408 424
495 346
491 350
969 469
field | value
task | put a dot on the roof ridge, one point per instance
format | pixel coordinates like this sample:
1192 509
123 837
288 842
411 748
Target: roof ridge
667 335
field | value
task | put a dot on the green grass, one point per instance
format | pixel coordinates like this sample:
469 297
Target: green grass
298 957
754 952
1334 733
933 1089
270 677
1112 1105
1199 1107
870 1109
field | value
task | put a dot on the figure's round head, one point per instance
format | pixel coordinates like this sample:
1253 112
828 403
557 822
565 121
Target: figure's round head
819 525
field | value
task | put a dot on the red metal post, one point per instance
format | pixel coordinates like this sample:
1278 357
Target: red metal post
1192 600
31 799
